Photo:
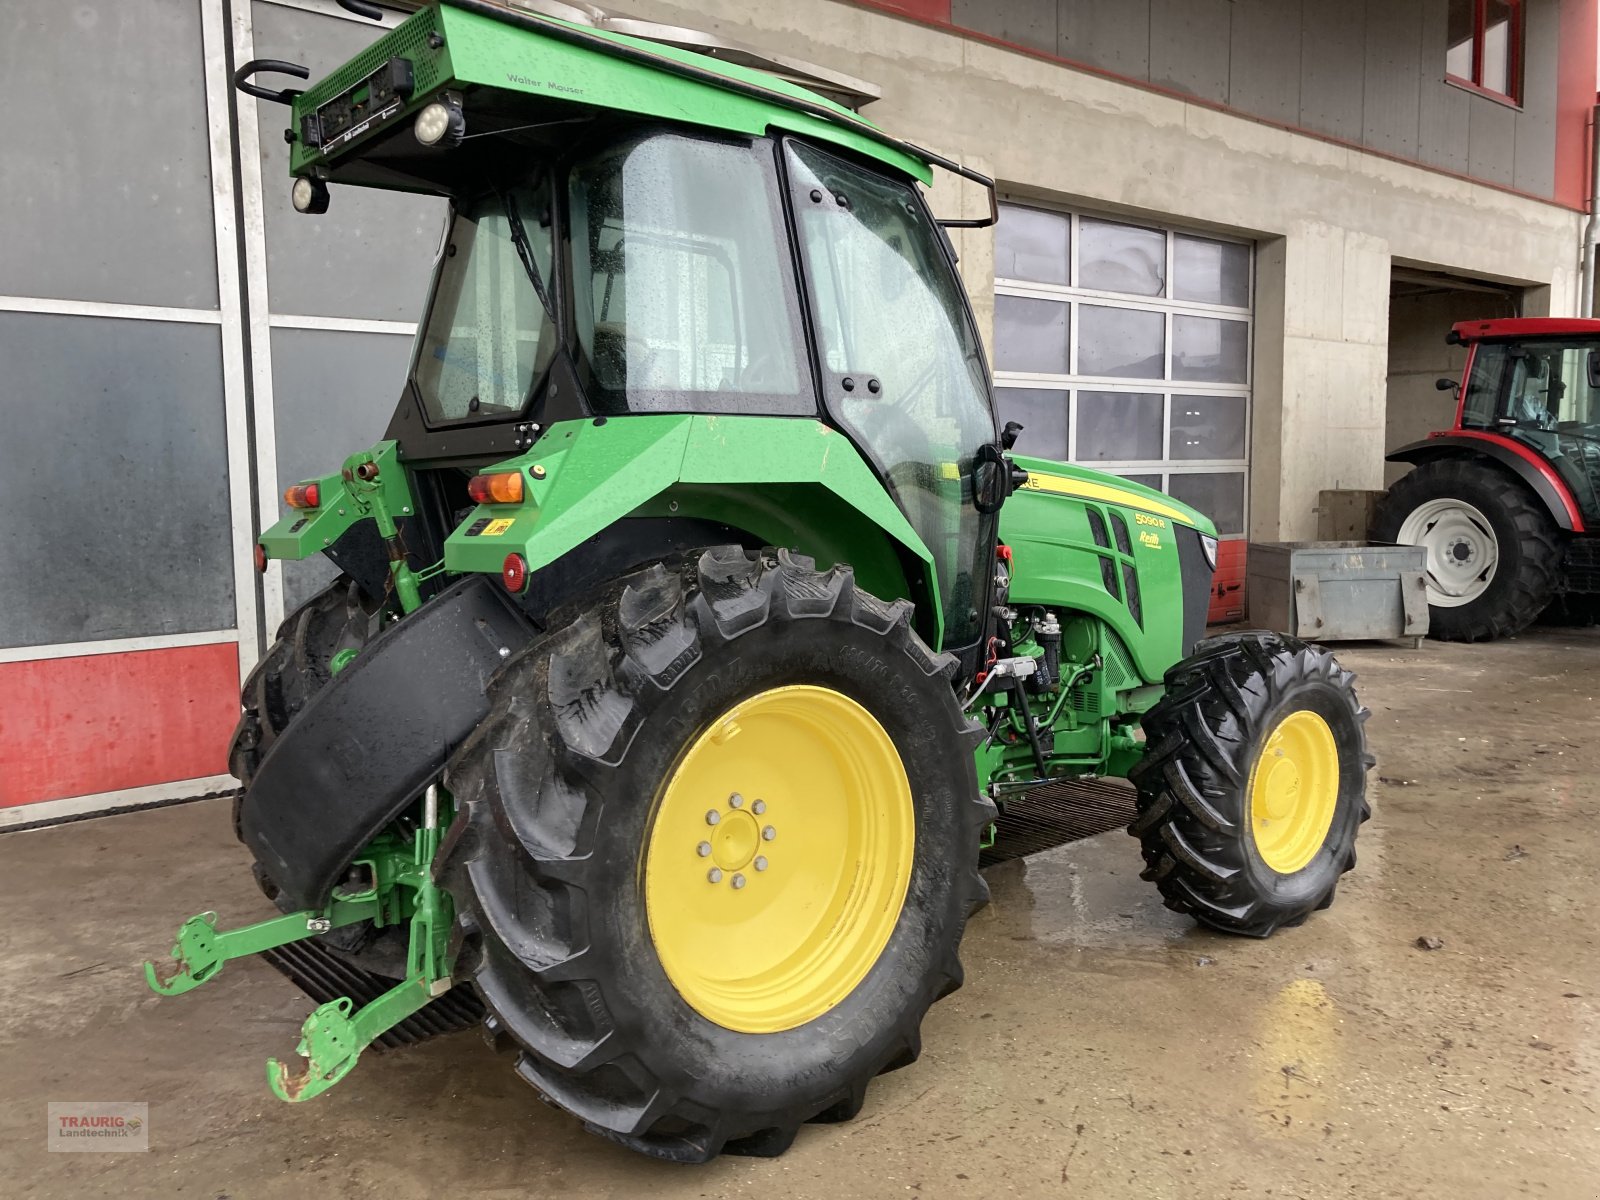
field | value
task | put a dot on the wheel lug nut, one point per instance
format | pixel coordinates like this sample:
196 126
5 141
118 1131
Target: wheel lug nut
713 817
738 882
736 801
703 849
761 862
714 875
759 807
768 833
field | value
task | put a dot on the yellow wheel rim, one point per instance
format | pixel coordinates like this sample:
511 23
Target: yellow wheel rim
779 858
1294 789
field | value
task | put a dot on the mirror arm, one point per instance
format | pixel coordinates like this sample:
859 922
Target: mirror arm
982 180
1015 476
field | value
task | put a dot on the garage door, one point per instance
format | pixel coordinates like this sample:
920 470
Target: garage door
1127 347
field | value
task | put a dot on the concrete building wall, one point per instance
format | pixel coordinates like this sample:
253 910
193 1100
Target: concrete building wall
1329 220
1370 73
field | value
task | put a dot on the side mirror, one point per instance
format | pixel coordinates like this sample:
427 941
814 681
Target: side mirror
1013 429
990 479
1594 370
1445 384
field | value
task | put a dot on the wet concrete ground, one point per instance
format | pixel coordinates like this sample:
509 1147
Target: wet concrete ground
1102 1047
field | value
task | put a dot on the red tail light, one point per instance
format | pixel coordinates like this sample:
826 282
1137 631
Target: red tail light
501 487
261 558
514 573
303 495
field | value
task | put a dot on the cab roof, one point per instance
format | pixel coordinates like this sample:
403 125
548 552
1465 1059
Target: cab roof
492 44
1507 328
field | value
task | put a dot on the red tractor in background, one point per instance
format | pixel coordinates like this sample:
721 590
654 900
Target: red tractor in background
1507 502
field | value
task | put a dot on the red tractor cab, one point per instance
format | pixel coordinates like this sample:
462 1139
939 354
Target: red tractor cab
1507 502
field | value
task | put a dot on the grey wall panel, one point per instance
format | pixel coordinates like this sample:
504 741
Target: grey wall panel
1391 101
1332 69
1444 118
1443 113
1491 140
105 185
1030 23
1370 73
1189 46
333 393
1111 34
1535 166
1264 63
113 480
370 254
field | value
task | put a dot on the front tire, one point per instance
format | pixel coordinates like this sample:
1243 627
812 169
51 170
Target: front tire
716 849
1254 783
1493 550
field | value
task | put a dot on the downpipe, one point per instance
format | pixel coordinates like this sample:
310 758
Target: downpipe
1591 230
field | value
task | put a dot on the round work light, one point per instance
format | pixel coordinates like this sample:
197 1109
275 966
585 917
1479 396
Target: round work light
440 124
309 196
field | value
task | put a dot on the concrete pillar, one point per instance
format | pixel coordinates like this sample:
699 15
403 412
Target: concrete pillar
1320 398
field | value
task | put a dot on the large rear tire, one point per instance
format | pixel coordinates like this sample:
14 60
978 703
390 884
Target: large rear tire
717 843
1493 551
1254 783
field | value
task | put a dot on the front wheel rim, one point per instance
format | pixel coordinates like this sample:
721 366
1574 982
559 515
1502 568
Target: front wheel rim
1294 791
1463 552
779 858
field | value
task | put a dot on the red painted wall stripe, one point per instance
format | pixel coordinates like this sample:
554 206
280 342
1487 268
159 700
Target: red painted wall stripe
935 11
1575 98
103 722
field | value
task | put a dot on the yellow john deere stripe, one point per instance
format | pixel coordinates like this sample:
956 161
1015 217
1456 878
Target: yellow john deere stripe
1083 489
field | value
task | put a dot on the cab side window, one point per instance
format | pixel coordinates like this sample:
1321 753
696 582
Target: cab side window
683 294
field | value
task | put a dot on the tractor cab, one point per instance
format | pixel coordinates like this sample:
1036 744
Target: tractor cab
679 245
652 272
1543 392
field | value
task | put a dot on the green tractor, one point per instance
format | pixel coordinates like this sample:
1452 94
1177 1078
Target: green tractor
696 625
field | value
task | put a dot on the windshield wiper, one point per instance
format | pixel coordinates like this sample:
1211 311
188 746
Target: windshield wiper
519 239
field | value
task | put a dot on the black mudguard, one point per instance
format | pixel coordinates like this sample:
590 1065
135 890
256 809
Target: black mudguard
369 742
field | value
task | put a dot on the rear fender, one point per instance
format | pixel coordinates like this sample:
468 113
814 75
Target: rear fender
1505 452
784 481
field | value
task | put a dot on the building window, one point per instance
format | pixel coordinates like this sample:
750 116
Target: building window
1485 46
1126 347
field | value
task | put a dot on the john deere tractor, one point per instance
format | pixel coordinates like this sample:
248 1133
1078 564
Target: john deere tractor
696 625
